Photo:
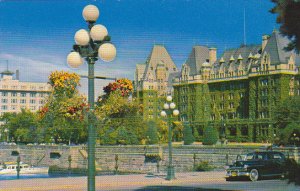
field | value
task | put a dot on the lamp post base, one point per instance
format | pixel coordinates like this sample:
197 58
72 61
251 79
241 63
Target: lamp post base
170 173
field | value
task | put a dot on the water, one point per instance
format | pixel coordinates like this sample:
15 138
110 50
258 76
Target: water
32 176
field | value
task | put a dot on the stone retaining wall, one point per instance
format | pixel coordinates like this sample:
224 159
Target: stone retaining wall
130 158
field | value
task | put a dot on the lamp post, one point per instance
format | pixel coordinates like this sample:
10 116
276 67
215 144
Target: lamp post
170 110
90 45
294 139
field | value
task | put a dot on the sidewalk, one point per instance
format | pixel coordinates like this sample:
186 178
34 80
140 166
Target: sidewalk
114 182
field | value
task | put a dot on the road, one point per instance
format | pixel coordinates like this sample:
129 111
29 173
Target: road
202 181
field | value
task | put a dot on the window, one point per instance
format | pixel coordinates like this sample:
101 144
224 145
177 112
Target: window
242 94
4 100
32 107
231 96
14 100
222 106
4 107
231 105
23 94
264 82
32 94
14 94
32 101
14 107
4 94
23 101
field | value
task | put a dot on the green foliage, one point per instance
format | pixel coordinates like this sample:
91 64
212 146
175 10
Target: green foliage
152 158
293 171
286 135
119 120
289 17
63 117
203 166
287 112
151 133
177 131
188 137
22 127
210 135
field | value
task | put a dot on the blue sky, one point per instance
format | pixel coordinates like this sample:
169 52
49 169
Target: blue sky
37 35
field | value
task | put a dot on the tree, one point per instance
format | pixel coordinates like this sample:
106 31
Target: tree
63 116
188 137
288 111
177 131
289 17
151 133
286 135
124 86
210 135
119 116
23 127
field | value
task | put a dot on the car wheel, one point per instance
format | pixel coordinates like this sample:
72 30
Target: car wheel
254 175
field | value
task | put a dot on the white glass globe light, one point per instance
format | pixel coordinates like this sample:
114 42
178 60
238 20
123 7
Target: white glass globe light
90 13
169 98
163 114
175 112
98 32
172 105
107 52
166 106
74 60
82 37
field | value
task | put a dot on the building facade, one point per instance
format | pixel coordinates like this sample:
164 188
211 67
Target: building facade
16 95
238 92
153 81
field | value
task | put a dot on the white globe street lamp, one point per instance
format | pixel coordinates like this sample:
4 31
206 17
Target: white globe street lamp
91 45
168 112
107 52
90 13
82 37
74 59
98 32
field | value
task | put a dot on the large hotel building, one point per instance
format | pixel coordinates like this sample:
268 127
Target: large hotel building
237 93
16 95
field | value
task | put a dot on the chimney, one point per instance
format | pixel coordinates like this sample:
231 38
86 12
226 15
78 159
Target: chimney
17 74
265 39
212 55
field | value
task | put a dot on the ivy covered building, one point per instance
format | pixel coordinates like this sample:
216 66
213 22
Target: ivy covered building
237 93
153 81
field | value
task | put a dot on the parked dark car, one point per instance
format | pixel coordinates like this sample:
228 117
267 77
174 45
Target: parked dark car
257 165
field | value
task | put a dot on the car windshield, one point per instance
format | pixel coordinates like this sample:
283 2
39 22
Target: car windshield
249 156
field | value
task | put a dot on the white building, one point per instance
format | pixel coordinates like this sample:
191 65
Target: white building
16 95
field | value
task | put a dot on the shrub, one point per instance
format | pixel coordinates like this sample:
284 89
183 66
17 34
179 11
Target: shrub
152 158
210 136
188 137
203 166
151 134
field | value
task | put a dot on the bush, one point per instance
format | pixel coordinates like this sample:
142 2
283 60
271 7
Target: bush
188 137
203 166
210 136
152 158
152 134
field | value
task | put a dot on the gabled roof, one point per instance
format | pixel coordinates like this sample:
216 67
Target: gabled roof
275 48
196 58
158 56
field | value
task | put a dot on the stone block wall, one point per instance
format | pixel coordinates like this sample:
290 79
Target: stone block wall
130 158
